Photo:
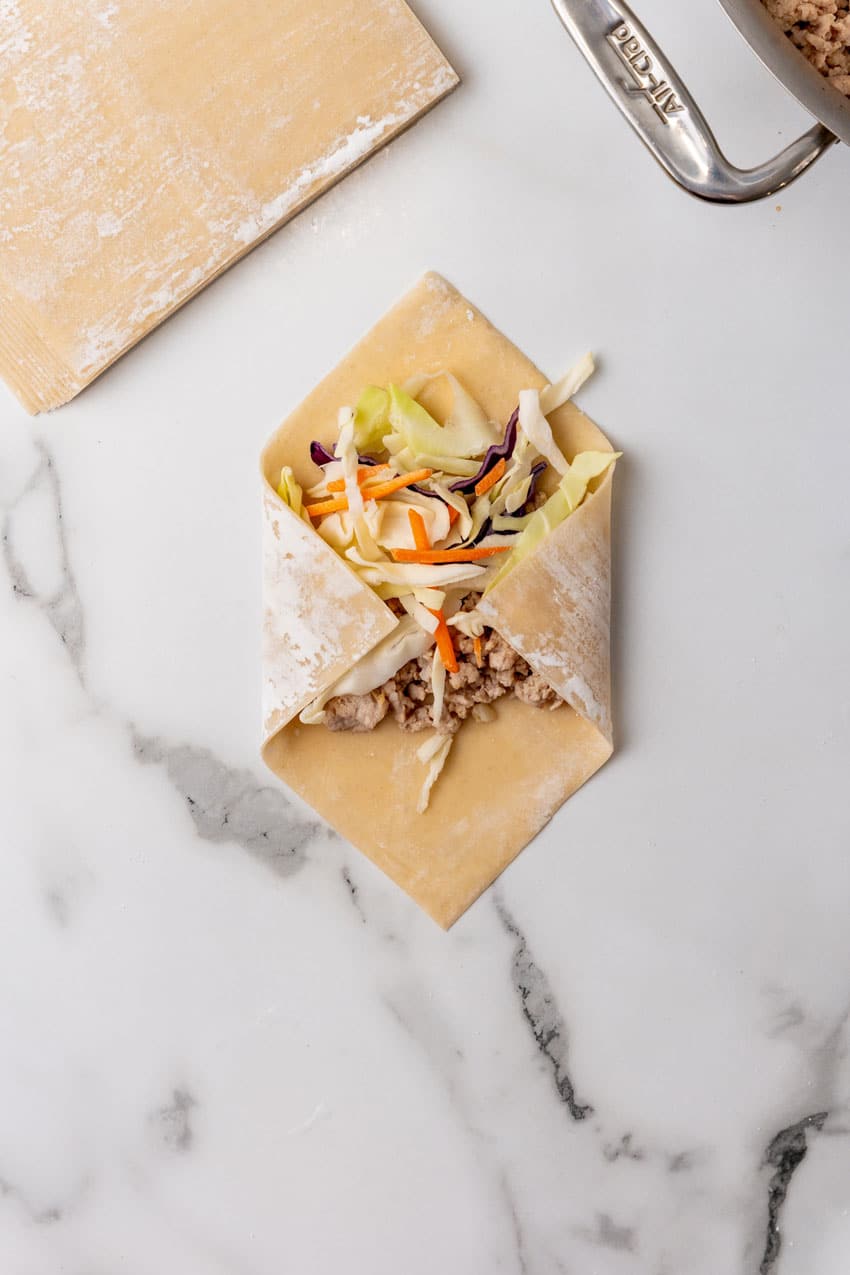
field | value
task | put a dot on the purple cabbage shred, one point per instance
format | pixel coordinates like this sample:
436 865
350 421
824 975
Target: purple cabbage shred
320 456
492 457
487 527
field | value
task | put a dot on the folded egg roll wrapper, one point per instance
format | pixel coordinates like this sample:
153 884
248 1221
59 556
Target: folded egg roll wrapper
504 779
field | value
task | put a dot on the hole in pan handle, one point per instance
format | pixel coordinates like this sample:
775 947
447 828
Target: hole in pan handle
643 84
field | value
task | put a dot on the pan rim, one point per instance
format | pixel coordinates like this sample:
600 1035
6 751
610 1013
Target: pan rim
773 47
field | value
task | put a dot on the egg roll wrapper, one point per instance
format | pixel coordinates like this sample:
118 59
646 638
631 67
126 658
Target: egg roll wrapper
504 779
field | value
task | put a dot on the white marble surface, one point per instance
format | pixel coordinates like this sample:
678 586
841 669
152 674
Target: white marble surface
229 1046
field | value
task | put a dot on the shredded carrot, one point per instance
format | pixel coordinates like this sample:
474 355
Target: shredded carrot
453 515
327 507
364 473
396 484
340 504
435 556
443 639
489 480
420 532
479 657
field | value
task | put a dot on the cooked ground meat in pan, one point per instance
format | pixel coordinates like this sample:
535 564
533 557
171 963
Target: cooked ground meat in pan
821 30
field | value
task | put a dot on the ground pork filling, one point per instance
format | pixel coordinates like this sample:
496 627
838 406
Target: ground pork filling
469 691
821 29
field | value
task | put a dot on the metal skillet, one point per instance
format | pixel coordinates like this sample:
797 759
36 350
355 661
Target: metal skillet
644 85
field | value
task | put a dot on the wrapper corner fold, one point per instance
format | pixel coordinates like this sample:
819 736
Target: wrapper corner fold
319 617
505 778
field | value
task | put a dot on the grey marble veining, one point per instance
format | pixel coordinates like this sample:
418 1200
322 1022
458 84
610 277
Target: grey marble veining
225 804
542 1015
61 604
173 1122
785 1153
229 805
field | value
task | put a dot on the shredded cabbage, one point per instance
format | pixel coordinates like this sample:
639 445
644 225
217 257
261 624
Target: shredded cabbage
503 522
406 642
480 513
585 467
337 530
362 518
467 433
513 491
415 574
426 751
371 419
434 752
554 396
350 464
330 472
419 613
289 490
491 541
463 525
391 527
406 459
465 410
535 426
565 500
535 406
438 686
431 598
518 494
468 622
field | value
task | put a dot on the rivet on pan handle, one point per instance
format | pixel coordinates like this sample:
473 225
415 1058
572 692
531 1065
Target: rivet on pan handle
641 81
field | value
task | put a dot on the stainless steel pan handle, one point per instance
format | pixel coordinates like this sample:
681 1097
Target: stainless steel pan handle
641 81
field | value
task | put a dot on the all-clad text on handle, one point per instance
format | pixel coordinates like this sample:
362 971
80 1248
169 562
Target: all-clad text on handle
640 80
